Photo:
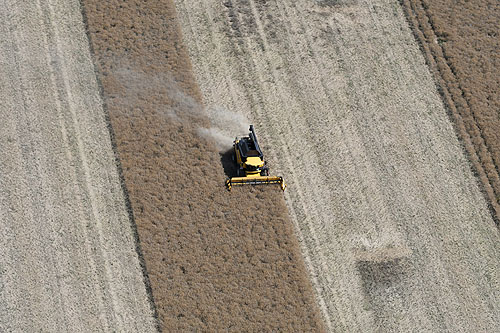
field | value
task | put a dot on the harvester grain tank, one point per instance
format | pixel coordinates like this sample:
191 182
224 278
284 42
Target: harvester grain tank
251 167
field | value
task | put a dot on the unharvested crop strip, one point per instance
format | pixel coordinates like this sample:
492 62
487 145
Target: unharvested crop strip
216 260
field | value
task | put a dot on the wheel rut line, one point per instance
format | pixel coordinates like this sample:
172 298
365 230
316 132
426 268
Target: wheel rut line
320 259
41 207
96 216
62 128
449 100
208 6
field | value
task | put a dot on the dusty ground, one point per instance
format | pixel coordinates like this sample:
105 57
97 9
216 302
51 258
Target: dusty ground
69 260
396 233
460 41
217 261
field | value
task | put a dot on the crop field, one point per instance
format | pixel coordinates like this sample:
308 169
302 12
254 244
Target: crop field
216 260
460 43
394 228
116 124
69 260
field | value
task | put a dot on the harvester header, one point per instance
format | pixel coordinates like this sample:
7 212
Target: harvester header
251 167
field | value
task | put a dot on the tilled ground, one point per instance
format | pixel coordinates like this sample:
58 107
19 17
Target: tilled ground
216 260
395 230
460 41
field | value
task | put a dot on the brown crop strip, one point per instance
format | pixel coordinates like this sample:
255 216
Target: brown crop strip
215 260
460 43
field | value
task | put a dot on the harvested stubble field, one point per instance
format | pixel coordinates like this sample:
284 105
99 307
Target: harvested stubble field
68 258
396 232
216 260
461 42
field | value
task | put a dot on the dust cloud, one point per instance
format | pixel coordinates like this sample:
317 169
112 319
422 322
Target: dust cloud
225 125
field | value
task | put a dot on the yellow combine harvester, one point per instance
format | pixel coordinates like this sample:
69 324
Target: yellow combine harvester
252 169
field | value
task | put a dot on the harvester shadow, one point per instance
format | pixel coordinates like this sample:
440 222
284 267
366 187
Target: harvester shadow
227 163
385 286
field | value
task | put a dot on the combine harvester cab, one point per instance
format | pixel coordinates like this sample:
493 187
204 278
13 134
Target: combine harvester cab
249 159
